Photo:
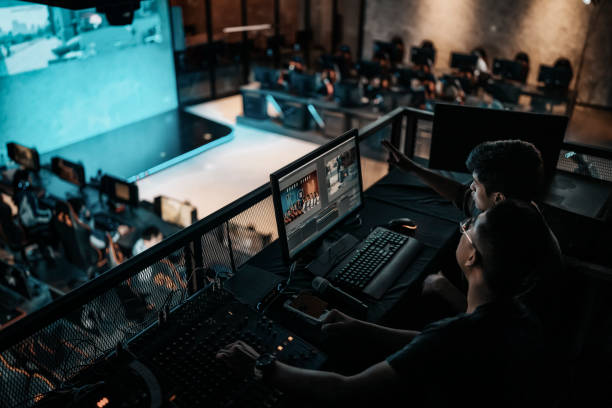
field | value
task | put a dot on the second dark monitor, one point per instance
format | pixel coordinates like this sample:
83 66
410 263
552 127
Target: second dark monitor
458 129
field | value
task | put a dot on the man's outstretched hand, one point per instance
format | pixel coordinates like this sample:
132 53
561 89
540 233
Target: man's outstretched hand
398 158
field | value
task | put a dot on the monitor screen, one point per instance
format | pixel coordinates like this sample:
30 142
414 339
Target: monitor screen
119 190
68 75
458 129
23 156
559 77
66 170
175 211
513 70
463 62
317 191
422 56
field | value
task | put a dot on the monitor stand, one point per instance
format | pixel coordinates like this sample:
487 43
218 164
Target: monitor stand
330 253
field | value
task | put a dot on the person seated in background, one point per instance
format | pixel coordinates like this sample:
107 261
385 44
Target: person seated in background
328 80
481 63
397 55
565 65
384 61
150 236
504 169
523 58
97 238
296 64
490 355
36 221
30 213
346 66
450 90
10 232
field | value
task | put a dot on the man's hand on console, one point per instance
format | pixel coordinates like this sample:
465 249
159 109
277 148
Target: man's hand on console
239 356
339 326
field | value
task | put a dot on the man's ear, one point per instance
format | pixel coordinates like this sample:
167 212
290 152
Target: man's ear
498 197
472 258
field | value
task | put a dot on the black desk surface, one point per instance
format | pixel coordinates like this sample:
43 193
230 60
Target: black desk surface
396 195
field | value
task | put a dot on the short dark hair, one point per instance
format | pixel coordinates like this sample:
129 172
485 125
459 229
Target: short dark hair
513 243
511 167
150 232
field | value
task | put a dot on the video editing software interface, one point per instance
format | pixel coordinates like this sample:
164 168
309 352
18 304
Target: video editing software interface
319 194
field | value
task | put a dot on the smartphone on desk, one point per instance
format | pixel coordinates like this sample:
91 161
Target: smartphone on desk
308 307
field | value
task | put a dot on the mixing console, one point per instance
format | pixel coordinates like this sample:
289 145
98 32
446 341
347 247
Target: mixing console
173 363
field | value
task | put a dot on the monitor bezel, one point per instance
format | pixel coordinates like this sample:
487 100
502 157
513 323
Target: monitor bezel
108 181
275 186
80 171
10 148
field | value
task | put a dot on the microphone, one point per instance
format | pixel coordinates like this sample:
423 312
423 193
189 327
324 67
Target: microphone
339 297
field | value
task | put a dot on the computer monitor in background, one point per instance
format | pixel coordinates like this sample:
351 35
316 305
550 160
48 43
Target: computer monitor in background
552 77
395 54
66 170
422 56
507 69
175 212
266 77
368 69
458 129
463 62
120 191
24 156
302 84
316 192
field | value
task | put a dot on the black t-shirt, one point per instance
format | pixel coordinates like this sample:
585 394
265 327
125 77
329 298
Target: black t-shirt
544 299
492 357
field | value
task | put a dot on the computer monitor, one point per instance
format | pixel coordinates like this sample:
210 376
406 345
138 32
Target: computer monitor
24 156
463 62
507 69
316 192
266 77
458 129
119 190
368 69
175 211
66 170
302 84
554 77
394 53
422 56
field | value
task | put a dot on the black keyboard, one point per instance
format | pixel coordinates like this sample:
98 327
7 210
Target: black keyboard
376 263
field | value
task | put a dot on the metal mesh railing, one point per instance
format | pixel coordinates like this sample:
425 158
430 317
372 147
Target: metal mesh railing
42 352
46 360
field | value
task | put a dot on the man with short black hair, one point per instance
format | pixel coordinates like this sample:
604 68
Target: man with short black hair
503 169
491 355
500 169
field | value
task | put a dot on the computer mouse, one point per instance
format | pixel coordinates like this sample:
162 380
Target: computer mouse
402 225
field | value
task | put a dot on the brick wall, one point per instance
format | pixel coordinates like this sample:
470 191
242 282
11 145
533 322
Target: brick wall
545 29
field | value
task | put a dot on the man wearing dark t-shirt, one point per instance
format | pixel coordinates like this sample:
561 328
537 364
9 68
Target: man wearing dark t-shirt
492 355
500 170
